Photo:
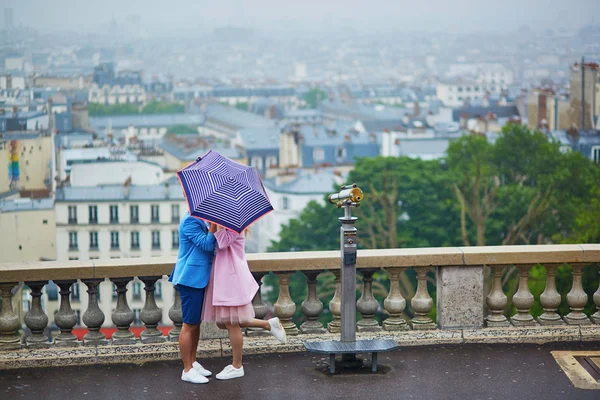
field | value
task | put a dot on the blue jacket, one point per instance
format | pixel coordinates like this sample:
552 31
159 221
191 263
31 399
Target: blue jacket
196 250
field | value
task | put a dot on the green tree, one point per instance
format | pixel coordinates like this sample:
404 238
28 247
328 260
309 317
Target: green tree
100 110
159 107
314 97
181 130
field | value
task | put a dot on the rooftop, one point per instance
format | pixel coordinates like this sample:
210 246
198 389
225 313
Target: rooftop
320 182
118 193
234 117
25 204
145 121
260 138
189 147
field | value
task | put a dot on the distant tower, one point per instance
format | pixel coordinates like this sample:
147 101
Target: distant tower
8 19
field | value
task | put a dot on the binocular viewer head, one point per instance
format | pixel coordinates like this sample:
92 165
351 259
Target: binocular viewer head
348 193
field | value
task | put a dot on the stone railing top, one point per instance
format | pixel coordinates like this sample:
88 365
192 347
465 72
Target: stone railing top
304 261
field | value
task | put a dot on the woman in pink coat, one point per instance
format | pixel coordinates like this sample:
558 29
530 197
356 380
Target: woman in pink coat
228 299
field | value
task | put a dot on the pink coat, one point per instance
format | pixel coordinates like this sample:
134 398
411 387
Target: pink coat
233 283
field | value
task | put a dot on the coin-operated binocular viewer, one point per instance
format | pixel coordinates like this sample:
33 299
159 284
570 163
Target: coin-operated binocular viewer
348 197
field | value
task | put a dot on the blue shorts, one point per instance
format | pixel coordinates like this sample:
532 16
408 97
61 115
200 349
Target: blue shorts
191 304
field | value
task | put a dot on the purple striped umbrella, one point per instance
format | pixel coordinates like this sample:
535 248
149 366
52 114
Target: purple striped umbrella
224 192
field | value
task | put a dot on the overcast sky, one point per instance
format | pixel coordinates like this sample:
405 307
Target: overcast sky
172 15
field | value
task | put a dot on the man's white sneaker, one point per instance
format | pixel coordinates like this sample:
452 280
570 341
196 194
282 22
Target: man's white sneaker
193 376
229 372
203 371
277 330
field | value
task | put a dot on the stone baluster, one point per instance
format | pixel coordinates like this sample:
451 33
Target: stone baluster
596 316
36 319
151 314
312 307
284 306
550 299
260 307
577 299
9 321
422 303
395 303
176 315
496 300
93 317
335 305
122 315
523 299
367 305
66 317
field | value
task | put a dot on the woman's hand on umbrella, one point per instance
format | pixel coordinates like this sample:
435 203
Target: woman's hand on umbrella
212 228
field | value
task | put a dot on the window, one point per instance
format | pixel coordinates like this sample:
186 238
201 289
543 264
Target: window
175 213
114 292
93 214
596 154
114 240
73 258
158 290
285 203
52 292
154 212
72 214
137 291
134 214
175 239
72 240
340 153
136 317
156 239
75 292
135 240
460 89
98 292
319 155
114 214
78 317
93 240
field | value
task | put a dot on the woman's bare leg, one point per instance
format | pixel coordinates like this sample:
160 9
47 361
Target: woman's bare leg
237 342
256 323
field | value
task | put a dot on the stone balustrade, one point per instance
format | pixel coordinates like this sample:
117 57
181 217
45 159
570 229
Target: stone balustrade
458 275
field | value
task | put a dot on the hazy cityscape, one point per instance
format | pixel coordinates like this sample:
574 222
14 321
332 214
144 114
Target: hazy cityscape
102 103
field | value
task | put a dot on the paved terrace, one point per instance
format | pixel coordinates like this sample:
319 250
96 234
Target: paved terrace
474 349
433 372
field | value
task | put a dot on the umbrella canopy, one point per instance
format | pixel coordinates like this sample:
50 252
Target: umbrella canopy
223 191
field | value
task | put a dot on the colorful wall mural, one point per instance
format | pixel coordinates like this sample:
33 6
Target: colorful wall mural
13 164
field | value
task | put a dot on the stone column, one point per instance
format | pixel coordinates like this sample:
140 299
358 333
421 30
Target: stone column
422 303
65 318
284 306
523 299
9 321
176 315
335 305
596 316
496 300
93 317
312 307
122 316
151 314
550 299
260 307
36 319
460 297
395 303
577 299
367 305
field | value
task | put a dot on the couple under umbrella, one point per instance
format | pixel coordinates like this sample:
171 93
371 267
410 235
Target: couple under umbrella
211 273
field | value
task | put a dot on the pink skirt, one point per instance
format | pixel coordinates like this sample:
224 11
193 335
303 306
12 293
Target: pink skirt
224 314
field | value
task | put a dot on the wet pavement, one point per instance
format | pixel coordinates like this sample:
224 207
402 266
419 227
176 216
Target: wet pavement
435 372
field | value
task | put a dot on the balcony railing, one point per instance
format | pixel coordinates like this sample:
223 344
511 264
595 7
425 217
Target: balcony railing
467 308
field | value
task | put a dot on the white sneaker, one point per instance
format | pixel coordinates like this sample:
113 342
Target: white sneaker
229 373
193 376
203 371
277 330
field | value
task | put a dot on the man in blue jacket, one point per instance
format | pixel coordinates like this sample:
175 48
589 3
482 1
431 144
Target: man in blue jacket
191 275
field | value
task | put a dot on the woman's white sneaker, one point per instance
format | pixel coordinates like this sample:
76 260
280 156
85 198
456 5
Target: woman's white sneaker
277 330
229 372
203 371
193 376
